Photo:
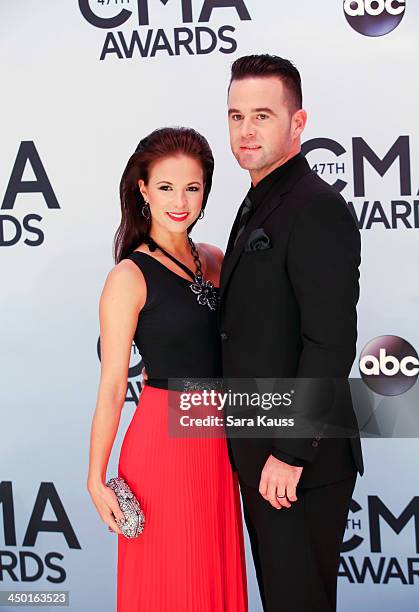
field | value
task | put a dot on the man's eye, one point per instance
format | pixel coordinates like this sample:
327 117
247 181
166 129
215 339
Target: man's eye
236 117
262 116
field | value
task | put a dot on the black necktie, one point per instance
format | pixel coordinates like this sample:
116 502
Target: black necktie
244 217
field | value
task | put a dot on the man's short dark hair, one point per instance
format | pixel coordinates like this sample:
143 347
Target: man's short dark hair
266 65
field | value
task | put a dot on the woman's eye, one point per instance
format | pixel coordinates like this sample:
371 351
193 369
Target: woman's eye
169 188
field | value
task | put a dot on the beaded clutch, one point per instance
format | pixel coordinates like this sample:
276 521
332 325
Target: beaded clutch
134 516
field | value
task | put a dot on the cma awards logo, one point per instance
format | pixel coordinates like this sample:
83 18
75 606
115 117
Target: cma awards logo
378 568
13 226
27 565
374 17
134 373
329 158
172 41
389 365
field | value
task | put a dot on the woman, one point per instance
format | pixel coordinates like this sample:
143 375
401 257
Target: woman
190 556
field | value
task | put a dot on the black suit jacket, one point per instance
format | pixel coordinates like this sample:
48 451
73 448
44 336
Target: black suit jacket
290 311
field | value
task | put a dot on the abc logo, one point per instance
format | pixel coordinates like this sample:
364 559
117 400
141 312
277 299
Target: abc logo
374 17
389 365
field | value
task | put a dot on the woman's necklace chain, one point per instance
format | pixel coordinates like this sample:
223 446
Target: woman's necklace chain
206 293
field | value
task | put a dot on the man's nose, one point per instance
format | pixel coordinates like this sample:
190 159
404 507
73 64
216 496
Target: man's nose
247 128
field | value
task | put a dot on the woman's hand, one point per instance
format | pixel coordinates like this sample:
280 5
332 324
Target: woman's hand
107 505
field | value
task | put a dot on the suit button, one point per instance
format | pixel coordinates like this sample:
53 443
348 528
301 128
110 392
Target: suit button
224 335
317 438
314 443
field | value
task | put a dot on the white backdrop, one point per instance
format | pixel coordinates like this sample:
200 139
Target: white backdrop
69 121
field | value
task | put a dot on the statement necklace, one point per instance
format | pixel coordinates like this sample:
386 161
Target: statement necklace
206 293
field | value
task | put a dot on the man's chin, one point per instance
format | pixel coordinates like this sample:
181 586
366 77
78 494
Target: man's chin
248 164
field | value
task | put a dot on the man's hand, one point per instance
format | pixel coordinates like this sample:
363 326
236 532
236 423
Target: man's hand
145 378
278 482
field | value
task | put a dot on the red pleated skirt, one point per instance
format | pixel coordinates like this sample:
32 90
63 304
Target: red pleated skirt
190 556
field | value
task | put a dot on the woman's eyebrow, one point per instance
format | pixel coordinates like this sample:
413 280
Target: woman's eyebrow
169 183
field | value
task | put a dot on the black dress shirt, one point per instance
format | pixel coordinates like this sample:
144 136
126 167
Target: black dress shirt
257 194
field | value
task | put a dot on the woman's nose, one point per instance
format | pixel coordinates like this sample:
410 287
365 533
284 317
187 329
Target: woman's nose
181 200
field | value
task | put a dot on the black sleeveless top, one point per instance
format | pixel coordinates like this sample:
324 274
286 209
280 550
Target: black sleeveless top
176 336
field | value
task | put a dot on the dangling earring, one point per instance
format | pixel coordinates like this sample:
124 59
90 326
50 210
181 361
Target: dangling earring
201 214
145 211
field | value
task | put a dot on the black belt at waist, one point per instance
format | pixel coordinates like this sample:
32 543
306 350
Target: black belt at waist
160 383
185 384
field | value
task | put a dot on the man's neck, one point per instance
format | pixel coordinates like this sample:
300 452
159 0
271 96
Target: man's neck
257 175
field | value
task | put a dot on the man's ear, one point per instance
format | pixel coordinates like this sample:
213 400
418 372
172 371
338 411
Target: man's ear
299 122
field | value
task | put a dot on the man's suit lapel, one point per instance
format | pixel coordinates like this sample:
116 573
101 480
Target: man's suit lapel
272 201
232 255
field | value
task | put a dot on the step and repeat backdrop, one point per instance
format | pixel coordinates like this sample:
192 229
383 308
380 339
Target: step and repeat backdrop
82 83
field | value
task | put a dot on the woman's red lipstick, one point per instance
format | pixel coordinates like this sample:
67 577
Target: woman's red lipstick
177 216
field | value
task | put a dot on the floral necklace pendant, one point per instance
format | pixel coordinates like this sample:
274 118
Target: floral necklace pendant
206 293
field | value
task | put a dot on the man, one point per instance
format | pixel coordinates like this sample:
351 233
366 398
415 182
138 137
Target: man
289 311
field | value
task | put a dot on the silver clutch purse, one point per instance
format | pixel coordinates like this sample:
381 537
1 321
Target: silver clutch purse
129 504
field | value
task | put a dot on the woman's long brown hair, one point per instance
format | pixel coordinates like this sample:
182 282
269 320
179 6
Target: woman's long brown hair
160 144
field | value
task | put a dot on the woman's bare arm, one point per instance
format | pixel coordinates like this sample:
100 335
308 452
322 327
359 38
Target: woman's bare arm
122 298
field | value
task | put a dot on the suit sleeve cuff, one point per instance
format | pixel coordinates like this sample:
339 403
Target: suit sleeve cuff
286 458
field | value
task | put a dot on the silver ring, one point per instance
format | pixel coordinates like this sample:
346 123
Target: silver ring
281 496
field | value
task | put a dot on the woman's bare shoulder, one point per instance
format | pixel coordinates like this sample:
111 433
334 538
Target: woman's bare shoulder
126 271
125 283
212 251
